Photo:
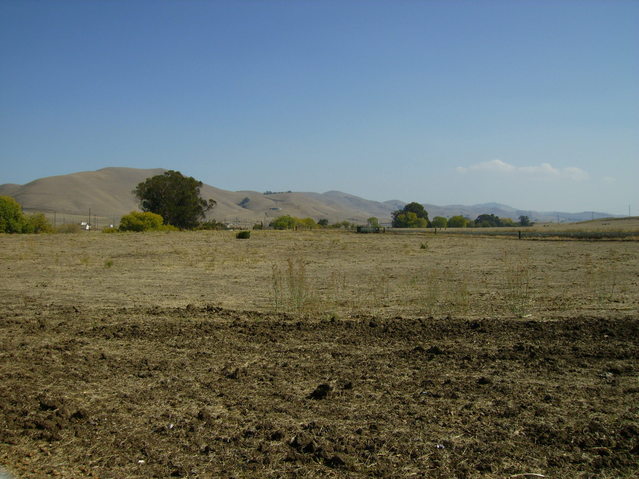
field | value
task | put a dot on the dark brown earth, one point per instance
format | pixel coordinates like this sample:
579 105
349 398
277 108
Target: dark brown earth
205 392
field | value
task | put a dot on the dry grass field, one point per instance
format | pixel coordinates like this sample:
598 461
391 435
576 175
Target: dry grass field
318 354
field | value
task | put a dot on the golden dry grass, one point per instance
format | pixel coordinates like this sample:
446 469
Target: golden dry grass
324 272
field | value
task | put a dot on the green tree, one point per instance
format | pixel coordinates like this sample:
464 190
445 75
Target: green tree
488 221
11 217
323 222
439 222
174 197
409 220
458 222
346 225
413 215
141 221
13 220
306 223
416 208
508 222
342 224
373 222
524 221
285 222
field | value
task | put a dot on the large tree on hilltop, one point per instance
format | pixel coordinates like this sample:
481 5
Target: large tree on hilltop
174 197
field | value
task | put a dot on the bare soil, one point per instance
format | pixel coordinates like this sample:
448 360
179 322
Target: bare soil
318 355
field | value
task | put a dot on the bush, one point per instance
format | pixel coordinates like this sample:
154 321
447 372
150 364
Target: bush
13 220
141 221
458 222
211 225
37 223
110 229
288 222
243 235
525 221
439 222
306 223
285 222
409 220
344 224
11 217
69 228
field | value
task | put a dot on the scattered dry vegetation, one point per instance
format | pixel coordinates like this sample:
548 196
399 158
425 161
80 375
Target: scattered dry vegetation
318 354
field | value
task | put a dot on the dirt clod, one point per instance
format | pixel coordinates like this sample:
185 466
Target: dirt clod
321 392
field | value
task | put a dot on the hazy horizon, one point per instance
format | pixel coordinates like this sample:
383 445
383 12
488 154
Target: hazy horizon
529 104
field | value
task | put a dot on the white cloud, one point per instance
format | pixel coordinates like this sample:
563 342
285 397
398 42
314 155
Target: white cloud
492 165
542 171
575 174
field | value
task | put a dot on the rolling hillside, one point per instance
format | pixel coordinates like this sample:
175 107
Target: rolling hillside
108 193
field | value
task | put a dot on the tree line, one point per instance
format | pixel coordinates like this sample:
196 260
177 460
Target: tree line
413 215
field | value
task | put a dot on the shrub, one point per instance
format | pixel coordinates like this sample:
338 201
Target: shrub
285 222
211 225
69 228
344 224
288 222
525 221
11 217
36 223
243 235
110 229
306 223
141 221
13 220
408 220
439 222
458 222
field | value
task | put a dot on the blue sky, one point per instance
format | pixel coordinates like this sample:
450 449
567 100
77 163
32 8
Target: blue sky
530 103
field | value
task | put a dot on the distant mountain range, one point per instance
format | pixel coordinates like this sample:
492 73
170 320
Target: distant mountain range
108 193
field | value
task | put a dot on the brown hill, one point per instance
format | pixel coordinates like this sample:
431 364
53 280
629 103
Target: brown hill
108 193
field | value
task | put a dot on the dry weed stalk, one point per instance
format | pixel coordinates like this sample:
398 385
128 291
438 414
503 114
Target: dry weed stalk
517 283
290 287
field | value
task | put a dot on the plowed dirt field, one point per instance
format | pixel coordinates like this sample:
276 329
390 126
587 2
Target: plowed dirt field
271 364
